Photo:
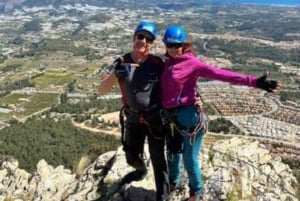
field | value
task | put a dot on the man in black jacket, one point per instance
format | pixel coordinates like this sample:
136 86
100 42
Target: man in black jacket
137 74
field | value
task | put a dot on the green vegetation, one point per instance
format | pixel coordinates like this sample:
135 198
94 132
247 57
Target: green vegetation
62 45
261 26
14 99
30 104
239 51
49 78
39 101
17 84
210 109
82 107
296 172
290 95
222 125
294 165
12 67
59 143
236 194
34 25
5 116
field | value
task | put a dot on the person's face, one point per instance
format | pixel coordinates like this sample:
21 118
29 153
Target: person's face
174 49
142 41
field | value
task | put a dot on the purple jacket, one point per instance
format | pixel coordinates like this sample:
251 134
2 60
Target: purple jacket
180 77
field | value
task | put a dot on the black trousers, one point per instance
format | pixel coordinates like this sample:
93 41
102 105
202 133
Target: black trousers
136 131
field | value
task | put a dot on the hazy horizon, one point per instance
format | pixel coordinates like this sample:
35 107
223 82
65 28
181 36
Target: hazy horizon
263 2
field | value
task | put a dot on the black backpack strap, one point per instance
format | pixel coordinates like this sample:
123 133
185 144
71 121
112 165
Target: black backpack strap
122 124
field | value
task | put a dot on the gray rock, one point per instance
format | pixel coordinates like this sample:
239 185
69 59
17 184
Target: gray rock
235 169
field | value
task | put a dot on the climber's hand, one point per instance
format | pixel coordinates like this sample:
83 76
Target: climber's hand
264 83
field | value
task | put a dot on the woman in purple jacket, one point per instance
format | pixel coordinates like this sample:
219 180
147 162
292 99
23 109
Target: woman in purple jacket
187 123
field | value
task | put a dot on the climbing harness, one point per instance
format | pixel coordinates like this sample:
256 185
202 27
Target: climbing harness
201 124
141 118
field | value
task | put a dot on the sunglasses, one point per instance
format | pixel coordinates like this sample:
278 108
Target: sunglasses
141 37
174 45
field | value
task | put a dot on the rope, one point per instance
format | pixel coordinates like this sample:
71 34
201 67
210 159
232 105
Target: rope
143 121
192 134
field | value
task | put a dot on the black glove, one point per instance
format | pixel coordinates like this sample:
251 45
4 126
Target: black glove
265 84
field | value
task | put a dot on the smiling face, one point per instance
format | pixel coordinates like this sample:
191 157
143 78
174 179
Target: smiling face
174 49
142 42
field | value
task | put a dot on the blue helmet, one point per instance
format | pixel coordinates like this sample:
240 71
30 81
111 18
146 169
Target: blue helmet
147 26
174 34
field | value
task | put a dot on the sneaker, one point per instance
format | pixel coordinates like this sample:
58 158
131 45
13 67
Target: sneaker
172 192
113 190
176 190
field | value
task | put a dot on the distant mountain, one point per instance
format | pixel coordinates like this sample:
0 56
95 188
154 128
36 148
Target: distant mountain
7 5
269 2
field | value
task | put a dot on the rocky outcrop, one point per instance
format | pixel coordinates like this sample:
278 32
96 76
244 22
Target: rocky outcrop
234 169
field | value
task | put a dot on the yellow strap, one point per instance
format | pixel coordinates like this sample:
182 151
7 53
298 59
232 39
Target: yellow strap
172 125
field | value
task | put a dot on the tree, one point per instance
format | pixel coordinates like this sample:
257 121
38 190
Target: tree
33 25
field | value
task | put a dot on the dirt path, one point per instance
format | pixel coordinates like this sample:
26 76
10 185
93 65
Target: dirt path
107 117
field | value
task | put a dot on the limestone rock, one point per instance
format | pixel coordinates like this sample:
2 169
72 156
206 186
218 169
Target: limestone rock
235 169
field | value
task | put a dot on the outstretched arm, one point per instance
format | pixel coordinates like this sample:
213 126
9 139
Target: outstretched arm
215 73
107 83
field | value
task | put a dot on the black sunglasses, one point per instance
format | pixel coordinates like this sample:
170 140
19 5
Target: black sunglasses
141 37
174 45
